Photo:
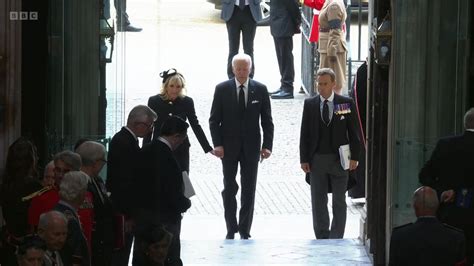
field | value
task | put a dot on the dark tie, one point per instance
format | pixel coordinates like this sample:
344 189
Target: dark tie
242 4
54 261
326 112
241 99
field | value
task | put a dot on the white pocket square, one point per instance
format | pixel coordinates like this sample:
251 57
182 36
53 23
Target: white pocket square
342 117
255 101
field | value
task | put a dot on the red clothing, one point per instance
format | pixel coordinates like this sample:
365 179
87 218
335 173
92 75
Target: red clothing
41 204
316 4
46 202
86 217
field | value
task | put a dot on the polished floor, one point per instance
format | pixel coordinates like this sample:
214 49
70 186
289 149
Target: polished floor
275 252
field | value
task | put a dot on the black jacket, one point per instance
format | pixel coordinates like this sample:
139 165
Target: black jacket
426 242
344 128
229 131
285 18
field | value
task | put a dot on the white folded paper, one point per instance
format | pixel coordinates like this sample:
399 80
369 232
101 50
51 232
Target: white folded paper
345 156
188 186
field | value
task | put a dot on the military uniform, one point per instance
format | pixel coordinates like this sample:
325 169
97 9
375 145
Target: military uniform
44 202
75 251
332 39
426 242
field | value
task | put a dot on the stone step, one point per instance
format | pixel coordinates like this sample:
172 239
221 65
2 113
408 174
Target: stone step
274 252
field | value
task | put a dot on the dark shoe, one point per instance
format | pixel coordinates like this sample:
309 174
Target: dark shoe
129 28
244 236
283 95
230 236
275 92
301 91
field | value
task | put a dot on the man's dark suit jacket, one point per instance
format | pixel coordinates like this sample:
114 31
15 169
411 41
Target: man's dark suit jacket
161 184
426 242
75 250
182 107
285 18
451 164
121 164
227 131
104 218
229 5
344 128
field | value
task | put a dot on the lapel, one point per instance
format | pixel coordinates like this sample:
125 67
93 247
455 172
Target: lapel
251 94
233 96
317 111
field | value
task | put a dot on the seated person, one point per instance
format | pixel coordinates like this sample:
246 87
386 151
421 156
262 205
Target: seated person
427 241
31 250
152 247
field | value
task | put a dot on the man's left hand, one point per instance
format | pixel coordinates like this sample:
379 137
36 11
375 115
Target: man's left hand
353 165
264 154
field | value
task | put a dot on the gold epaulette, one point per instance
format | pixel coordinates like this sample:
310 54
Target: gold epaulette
37 193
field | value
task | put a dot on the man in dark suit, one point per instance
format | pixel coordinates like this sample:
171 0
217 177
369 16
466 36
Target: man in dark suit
450 171
162 199
240 16
285 20
93 160
238 107
329 121
121 164
427 241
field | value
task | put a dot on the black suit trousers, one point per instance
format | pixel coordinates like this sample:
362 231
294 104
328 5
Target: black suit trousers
241 21
284 52
248 181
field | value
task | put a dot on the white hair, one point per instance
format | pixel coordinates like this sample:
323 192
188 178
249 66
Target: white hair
73 185
47 217
242 57
90 152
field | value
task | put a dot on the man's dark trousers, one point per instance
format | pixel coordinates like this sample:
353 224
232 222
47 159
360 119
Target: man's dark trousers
248 181
241 21
284 52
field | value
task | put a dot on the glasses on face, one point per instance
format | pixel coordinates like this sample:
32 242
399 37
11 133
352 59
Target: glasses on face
147 125
58 170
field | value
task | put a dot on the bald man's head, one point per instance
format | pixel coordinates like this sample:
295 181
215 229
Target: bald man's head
425 201
52 228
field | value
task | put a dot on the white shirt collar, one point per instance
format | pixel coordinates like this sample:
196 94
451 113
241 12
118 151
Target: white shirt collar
165 142
470 130
131 132
330 99
237 84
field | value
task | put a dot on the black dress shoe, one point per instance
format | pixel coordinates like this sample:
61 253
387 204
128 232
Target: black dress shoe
230 236
283 95
129 28
244 236
275 92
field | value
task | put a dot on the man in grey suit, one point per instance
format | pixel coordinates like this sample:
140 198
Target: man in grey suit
285 20
240 16
239 106
329 121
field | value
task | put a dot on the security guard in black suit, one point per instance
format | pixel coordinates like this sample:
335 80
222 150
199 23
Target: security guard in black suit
427 241
450 171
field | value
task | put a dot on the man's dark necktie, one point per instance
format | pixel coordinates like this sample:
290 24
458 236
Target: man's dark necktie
54 261
242 4
326 112
241 99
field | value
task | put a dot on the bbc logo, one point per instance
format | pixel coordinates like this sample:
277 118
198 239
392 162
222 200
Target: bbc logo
23 15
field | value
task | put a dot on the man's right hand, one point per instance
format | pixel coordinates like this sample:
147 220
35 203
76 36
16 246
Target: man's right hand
219 151
448 196
306 168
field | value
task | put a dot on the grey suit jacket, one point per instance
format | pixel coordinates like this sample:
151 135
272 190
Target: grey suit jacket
229 5
228 130
285 18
